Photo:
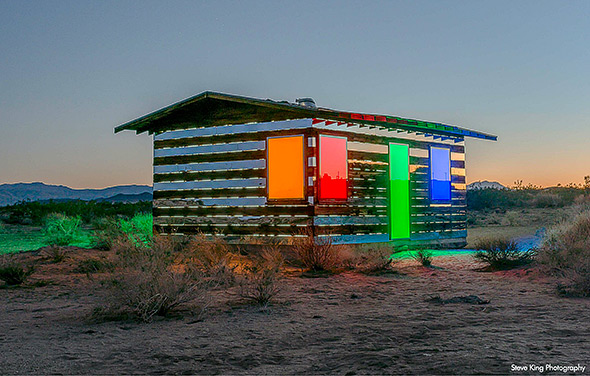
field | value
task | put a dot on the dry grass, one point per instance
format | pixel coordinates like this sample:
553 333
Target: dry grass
372 261
55 254
12 271
566 253
211 256
261 281
94 265
317 254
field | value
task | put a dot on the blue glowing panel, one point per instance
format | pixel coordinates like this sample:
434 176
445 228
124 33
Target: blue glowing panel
440 174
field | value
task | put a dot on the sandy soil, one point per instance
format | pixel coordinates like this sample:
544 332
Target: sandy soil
344 324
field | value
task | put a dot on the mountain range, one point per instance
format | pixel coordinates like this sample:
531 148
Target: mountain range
484 184
13 193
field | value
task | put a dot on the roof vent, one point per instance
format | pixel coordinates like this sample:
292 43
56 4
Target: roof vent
306 102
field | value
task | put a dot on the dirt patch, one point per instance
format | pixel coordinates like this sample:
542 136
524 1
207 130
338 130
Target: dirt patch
347 323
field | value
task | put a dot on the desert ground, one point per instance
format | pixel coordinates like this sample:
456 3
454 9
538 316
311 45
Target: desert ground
404 322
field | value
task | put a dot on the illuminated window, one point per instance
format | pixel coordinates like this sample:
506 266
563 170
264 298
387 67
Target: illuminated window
285 166
399 191
333 168
440 174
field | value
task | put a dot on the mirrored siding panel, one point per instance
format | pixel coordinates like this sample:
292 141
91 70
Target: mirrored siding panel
399 191
285 168
440 174
333 169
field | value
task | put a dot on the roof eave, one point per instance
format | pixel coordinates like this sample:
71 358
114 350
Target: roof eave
138 124
141 124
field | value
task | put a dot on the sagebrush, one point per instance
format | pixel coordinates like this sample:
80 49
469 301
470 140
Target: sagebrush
316 253
261 281
139 229
565 252
502 253
61 230
210 255
106 232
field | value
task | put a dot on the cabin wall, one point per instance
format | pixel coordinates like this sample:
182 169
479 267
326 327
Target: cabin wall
364 217
213 180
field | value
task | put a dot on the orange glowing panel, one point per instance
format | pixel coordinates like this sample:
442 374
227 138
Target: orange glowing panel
285 166
333 168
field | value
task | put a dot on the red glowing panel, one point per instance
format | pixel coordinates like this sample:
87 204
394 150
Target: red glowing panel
333 168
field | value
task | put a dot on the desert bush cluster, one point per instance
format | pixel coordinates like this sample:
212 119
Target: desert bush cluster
565 252
188 271
35 212
155 280
525 197
147 281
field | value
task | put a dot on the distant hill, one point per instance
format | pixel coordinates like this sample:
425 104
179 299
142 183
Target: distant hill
13 193
146 196
484 184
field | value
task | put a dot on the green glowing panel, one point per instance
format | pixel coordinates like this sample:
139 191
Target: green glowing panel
399 191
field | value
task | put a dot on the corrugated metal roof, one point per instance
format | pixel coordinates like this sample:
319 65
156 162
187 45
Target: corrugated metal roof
144 123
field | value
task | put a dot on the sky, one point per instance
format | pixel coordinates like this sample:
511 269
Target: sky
70 71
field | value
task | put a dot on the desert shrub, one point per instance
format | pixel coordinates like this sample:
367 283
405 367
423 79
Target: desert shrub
512 218
55 254
106 232
575 281
12 271
61 230
478 199
424 257
93 265
139 229
375 260
211 256
547 200
147 281
501 253
523 196
565 251
316 253
261 281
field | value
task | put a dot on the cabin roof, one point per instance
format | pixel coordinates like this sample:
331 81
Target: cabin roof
212 108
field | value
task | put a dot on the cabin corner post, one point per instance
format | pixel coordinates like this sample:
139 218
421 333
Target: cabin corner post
312 176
